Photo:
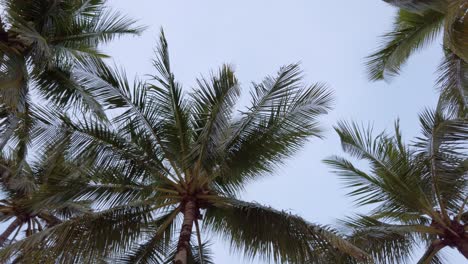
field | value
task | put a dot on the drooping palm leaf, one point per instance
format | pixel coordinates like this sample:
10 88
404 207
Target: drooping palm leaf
259 231
411 32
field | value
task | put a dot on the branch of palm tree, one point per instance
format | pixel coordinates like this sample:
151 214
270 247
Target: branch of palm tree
20 182
431 255
213 104
62 86
419 5
173 110
443 145
157 241
411 32
167 256
388 243
144 117
395 182
453 83
259 231
282 116
194 257
94 143
456 28
13 92
52 38
69 23
13 79
381 241
88 237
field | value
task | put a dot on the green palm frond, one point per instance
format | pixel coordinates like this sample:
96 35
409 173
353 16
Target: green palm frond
411 32
90 236
213 102
157 244
418 5
172 111
280 119
48 40
386 243
194 257
13 79
443 145
395 182
59 85
453 83
259 231
104 26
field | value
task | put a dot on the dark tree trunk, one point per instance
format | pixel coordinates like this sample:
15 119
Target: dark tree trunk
4 236
462 247
190 212
51 220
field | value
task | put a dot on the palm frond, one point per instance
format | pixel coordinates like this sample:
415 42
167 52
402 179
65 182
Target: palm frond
173 107
88 237
443 146
411 32
259 231
453 84
213 104
158 243
418 6
282 116
387 243
395 181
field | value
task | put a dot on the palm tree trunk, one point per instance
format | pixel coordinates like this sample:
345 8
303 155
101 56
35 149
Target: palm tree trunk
462 246
51 220
15 224
190 211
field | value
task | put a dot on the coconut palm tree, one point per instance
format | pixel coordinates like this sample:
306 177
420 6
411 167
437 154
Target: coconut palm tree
172 164
418 192
21 182
417 24
46 46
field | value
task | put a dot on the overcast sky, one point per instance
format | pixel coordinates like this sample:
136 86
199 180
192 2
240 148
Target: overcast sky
329 38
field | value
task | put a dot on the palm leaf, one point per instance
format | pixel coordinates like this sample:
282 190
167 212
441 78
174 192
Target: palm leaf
281 118
411 32
453 83
259 231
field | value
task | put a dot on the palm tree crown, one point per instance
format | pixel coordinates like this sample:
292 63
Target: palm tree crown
50 46
21 183
171 159
419 191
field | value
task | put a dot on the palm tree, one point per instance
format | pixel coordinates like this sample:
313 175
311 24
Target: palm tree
21 182
418 191
170 160
49 45
417 24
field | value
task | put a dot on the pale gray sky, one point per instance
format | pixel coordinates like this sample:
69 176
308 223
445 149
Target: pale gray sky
330 38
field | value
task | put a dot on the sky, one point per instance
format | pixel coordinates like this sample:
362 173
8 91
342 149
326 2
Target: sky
329 38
